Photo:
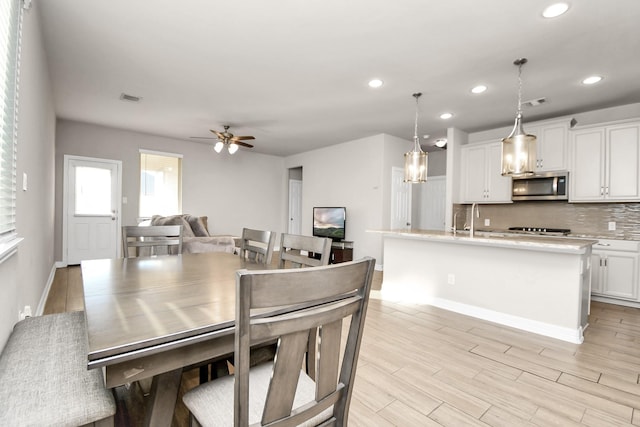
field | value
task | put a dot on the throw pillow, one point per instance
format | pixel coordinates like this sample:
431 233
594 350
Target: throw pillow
197 226
173 220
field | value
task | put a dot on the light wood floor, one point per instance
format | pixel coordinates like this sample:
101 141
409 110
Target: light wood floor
423 366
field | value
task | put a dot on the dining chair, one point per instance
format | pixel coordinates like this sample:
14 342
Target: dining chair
148 239
291 246
257 245
280 392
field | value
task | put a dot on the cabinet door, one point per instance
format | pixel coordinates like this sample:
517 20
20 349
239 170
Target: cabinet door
474 160
620 275
596 273
587 176
623 162
552 148
498 186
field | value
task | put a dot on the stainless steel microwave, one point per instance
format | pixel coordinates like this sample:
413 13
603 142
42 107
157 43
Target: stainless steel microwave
545 186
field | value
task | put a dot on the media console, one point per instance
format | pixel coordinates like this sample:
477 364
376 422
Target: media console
341 252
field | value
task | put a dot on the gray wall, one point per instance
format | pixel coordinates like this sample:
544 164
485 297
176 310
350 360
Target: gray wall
24 276
243 190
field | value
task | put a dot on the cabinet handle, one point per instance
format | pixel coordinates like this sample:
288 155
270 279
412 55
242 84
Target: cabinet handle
603 244
602 191
606 190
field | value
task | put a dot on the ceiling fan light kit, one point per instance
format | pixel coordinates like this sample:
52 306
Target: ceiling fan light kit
227 139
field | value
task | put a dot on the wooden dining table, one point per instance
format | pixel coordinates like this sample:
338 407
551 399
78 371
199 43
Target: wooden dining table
150 317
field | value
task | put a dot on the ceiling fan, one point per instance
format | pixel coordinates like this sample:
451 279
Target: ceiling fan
230 140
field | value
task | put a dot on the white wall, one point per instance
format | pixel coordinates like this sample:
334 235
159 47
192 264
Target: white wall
243 190
24 276
357 175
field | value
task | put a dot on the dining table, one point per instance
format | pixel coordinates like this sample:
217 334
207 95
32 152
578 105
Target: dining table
150 317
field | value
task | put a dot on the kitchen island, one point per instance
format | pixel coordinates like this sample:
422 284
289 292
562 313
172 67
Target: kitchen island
531 283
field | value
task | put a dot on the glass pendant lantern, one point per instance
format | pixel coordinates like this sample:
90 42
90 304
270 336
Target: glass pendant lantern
519 148
415 161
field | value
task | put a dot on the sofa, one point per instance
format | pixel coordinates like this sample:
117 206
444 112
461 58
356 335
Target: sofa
195 234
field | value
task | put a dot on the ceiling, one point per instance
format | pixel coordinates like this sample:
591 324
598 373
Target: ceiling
294 73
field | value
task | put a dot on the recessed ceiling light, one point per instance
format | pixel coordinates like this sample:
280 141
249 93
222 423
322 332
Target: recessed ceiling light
479 89
555 10
446 116
591 80
375 83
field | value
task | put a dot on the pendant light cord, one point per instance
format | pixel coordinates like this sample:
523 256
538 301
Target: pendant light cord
416 146
520 62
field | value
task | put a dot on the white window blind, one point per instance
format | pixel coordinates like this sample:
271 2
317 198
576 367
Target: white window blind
10 22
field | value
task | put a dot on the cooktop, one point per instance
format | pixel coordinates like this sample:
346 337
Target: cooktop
541 230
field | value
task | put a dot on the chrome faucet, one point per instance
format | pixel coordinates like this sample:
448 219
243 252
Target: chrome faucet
455 222
477 215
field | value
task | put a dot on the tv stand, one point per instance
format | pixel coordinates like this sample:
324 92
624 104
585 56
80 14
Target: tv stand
341 251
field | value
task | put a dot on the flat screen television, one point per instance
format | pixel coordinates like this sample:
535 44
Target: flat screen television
330 222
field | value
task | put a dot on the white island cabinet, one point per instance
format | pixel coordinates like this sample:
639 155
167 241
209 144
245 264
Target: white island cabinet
540 285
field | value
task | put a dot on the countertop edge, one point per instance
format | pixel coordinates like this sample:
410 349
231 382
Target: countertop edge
546 244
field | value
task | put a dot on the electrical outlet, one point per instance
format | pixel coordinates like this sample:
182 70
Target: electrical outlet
487 222
26 312
451 279
612 226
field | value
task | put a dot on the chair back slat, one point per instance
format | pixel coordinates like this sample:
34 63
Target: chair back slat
291 246
151 237
282 388
323 298
257 245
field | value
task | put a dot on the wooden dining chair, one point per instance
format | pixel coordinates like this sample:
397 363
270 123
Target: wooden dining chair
148 239
292 245
257 245
280 392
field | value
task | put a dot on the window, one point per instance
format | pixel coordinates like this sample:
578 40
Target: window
10 21
160 184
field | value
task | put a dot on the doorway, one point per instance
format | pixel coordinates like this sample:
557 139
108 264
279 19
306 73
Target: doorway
400 200
294 223
91 209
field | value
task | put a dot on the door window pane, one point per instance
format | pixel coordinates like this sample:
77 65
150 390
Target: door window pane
93 191
160 185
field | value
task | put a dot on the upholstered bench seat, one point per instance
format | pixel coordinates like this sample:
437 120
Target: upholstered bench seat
44 380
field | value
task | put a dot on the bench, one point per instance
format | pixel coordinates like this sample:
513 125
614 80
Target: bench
44 380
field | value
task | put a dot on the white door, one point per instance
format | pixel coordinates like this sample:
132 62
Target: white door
295 206
400 200
91 209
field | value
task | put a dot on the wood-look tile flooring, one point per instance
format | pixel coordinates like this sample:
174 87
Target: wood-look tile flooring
423 366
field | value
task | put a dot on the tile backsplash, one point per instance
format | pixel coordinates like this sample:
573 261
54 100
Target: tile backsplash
581 218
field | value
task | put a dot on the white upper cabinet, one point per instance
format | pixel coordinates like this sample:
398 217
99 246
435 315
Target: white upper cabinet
605 164
551 146
481 178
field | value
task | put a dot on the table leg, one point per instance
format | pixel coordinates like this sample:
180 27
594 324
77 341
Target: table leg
162 401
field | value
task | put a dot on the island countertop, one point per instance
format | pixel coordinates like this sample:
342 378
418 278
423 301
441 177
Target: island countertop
496 239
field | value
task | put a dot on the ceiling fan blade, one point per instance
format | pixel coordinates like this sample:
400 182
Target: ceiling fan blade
241 138
244 144
220 135
202 137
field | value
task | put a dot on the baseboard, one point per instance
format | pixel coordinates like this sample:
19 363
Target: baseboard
615 301
565 334
45 292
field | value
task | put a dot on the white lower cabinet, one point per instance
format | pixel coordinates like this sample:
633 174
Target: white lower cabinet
614 269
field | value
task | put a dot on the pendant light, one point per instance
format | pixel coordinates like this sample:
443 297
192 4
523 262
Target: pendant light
415 162
519 148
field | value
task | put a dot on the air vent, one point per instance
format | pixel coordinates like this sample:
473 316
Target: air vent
534 102
131 98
